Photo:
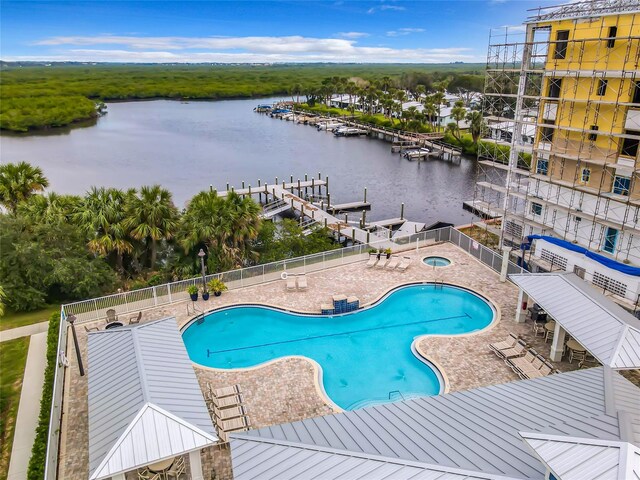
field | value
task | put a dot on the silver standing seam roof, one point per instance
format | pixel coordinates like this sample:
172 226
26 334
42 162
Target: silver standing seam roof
145 403
475 430
604 328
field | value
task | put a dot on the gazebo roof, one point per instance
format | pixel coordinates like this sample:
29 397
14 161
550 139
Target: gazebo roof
605 329
145 403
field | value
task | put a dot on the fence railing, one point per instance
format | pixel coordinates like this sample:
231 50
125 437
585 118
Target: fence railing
137 300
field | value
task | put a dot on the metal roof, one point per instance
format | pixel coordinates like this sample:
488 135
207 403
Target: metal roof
476 430
142 386
259 458
583 9
586 459
605 329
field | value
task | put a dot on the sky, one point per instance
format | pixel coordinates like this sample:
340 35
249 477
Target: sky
379 31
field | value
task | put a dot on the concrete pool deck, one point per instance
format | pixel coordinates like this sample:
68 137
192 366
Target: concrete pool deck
286 390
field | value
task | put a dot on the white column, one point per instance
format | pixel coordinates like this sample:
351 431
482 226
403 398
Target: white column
505 263
521 313
195 465
557 345
120 476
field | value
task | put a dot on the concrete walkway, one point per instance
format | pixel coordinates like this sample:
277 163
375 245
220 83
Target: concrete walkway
29 408
25 331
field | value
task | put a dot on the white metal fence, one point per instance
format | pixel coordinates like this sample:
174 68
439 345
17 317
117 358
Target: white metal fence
137 300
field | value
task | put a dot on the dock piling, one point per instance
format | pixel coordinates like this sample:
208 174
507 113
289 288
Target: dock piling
353 234
243 184
365 195
227 186
368 236
211 187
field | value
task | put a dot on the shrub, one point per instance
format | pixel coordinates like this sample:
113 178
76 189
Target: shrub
39 449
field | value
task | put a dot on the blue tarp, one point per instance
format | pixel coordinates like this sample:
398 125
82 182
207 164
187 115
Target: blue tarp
607 262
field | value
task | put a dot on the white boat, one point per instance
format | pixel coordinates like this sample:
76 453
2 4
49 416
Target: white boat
349 132
329 125
417 153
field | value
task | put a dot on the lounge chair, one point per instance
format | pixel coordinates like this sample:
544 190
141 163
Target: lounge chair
226 391
291 283
233 425
231 412
545 369
226 402
528 365
518 350
382 262
510 342
392 263
302 282
111 316
373 259
136 318
404 263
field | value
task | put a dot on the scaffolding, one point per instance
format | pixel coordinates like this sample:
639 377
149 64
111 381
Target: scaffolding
559 153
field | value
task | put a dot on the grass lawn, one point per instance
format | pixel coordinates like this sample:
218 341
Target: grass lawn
482 236
20 319
13 356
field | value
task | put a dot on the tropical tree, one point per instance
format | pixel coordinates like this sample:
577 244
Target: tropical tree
102 216
225 226
19 181
430 111
476 124
3 297
49 208
151 216
458 113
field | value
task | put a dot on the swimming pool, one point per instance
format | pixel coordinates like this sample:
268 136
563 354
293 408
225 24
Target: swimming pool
366 356
436 261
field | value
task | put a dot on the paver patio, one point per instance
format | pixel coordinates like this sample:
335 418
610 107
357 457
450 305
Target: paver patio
285 390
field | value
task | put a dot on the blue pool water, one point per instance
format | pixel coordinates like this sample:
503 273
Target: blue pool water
366 356
436 261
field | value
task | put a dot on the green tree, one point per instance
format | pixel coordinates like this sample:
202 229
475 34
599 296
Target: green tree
102 217
476 125
458 113
151 216
3 298
49 208
18 182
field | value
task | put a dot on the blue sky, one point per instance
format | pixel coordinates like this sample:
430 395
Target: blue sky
246 31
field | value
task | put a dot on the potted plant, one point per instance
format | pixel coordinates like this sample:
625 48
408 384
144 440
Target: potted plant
192 290
217 286
205 294
388 252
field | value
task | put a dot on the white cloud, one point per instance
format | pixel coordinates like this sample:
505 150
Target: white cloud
381 8
404 31
235 50
352 34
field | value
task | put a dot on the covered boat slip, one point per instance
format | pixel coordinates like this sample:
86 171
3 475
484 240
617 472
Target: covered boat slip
145 404
602 327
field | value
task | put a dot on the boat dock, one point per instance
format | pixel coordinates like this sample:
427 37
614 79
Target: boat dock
349 207
482 209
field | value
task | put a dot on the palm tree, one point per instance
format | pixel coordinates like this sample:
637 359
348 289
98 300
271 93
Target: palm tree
3 297
226 226
430 111
476 124
19 181
151 216
102 215
49 208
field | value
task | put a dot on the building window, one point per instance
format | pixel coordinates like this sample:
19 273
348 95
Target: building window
636 93
621 185
610 240
630 145
585 175
611 41
555 86
609 284
562 40
602 86
536 208
546 133
593 136
542 166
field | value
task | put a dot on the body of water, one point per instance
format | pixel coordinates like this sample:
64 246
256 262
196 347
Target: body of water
365 356
188 146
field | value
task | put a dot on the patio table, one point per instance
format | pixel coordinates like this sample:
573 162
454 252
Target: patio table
575 346
161 466
550 326
113 325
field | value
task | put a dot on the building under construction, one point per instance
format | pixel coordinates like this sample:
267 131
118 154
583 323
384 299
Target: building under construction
560 155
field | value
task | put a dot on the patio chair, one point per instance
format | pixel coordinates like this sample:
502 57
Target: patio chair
178 468
111 316
404 263
373 258
291 283
136 318
231 412
392 263
91 329
510 342
226 402
538 328
577 355
238 424
523 364
518 350
302 282
544 370
226 391
382 262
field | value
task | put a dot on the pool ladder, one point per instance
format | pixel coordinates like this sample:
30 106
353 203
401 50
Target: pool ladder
396 391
